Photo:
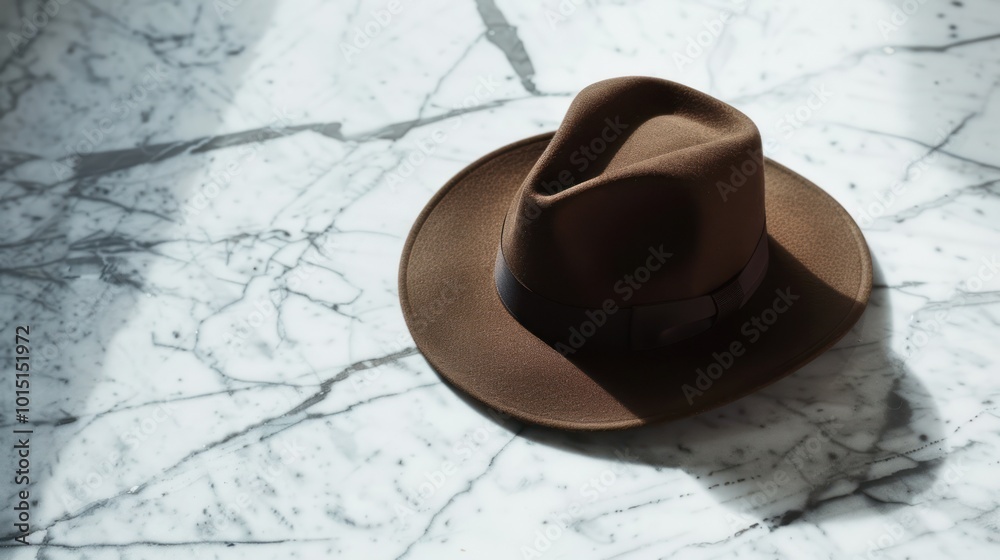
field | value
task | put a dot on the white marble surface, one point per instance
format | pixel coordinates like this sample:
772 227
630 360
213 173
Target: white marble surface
203 210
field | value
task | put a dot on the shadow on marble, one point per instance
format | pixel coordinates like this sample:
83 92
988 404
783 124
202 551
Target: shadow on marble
79 251
852 423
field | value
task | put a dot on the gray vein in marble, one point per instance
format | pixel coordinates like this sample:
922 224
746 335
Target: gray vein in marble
99 230
168 544
852 60
934 148
504 36
940 144
159 45
947 47
356 367
100 163
167 472
984 188
451 499
440 81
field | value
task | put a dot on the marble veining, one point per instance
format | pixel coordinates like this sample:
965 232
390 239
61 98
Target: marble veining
203 210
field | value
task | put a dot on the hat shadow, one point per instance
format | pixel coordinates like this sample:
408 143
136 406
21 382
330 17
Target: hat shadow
852 429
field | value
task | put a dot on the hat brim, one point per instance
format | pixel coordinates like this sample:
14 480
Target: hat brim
817 285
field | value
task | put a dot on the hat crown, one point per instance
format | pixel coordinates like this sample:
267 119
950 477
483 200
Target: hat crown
649 191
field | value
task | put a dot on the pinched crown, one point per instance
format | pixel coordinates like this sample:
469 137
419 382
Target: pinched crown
648 189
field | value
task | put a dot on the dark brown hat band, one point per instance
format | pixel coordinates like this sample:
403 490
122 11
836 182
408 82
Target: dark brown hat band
569 328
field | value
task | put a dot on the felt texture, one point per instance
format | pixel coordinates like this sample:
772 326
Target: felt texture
666 149
658 182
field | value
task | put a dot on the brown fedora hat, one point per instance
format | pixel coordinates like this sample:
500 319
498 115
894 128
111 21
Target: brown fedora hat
645 262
